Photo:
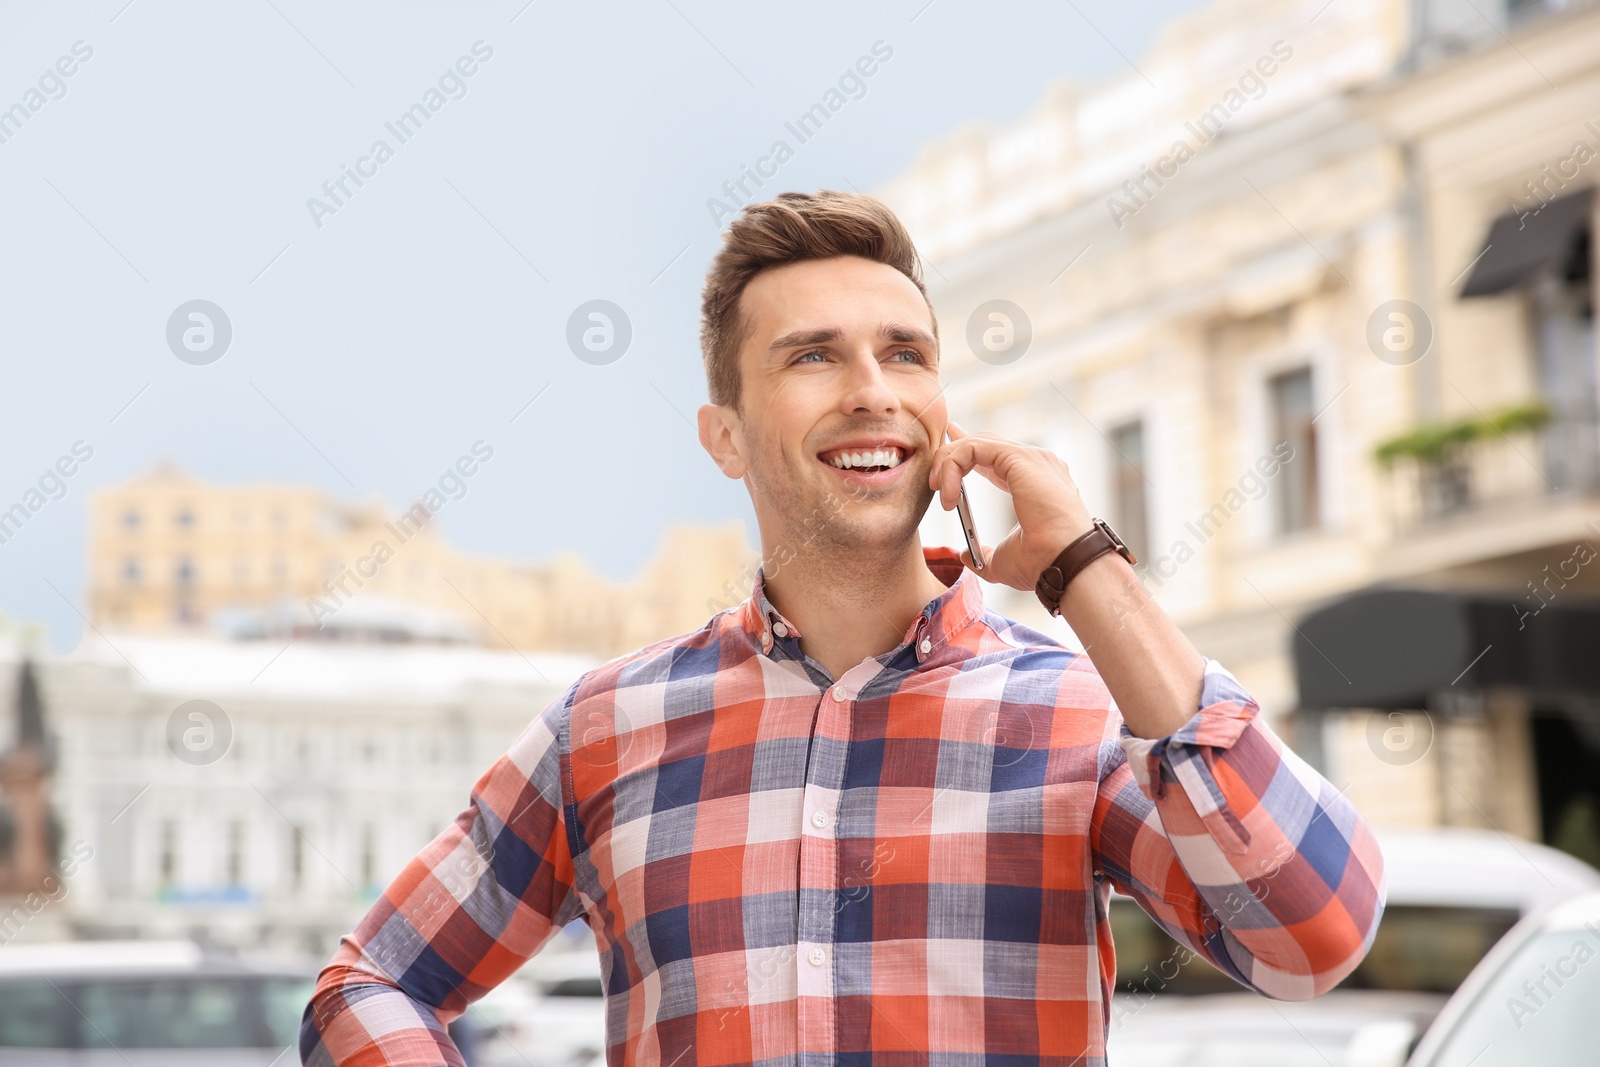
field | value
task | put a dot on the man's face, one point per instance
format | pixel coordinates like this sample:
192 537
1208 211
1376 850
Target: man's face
840 405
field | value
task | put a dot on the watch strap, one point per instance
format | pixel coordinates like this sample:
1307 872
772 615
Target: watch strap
1052 583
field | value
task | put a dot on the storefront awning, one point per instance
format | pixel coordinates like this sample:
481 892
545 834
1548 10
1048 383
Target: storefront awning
1393 648
1520 243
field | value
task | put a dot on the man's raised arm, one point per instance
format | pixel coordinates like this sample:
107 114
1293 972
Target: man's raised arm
462 916
1224 835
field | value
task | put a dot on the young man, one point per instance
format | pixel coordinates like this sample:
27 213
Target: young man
859 816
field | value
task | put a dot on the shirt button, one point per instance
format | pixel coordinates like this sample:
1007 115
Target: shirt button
819 818
780 629
926 646
817 957
839 694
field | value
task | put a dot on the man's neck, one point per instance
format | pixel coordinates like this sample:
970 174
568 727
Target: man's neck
850 608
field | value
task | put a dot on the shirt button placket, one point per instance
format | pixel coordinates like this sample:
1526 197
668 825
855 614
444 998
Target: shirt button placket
819 871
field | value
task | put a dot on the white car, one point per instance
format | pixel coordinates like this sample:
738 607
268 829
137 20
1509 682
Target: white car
1452 894
1531 1001
143 1003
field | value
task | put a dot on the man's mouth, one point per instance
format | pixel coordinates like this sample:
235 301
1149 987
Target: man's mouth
868 460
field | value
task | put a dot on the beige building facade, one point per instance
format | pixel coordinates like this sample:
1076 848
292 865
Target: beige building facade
1219 284
170 554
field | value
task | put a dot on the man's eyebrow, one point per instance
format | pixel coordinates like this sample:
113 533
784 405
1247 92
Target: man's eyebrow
798 338
895 331
892 331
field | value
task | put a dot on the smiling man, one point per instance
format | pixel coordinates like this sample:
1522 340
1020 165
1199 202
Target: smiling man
860 817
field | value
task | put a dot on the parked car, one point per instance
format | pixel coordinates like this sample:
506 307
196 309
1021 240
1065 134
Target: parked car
138 1003
1452 895
1530 1001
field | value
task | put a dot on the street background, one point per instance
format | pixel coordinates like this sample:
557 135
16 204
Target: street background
350 362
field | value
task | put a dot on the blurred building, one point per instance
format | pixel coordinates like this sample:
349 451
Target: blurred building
253 793
1306 299
28 831
169 554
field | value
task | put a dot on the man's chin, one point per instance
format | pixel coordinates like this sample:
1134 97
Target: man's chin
877 521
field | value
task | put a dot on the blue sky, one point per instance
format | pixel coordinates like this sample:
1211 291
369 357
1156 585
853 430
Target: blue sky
569 157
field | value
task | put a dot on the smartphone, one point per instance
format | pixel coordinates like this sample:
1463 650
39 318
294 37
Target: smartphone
964 510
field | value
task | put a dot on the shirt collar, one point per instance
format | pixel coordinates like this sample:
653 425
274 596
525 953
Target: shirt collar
941 619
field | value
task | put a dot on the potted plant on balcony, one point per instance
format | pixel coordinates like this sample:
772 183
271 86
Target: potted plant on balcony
1440 451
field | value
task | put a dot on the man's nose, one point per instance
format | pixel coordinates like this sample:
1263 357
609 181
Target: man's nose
867 390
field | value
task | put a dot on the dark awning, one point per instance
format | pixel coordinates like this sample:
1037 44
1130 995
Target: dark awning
1392 648
1521 242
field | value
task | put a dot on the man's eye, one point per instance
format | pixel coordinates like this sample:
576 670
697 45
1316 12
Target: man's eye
805 357
915 356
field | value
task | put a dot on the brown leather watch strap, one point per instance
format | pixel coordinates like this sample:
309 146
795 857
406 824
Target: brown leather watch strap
1052 584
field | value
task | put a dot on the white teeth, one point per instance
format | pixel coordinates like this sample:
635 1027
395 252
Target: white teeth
882 457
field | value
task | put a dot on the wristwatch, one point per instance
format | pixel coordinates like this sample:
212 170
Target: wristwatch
1100 539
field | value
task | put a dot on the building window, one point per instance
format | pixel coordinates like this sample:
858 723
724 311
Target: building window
130 519
1561 312
235 873
241 571
1299 505
168 870
369 854
130 570
184 518
280 569
297 857
1128 499
183 573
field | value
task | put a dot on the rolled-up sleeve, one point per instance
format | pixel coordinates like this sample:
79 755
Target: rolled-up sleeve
463 915
1238 848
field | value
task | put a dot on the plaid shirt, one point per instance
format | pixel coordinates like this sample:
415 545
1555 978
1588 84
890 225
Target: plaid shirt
908 863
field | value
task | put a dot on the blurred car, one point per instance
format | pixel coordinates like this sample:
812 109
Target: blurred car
1452 895
137 1003
1531 999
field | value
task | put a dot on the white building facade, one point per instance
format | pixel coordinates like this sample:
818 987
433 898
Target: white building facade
260 793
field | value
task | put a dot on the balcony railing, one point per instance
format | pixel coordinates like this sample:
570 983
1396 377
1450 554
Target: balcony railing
1495 470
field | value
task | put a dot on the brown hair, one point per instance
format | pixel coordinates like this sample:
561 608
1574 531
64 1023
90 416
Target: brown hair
789 228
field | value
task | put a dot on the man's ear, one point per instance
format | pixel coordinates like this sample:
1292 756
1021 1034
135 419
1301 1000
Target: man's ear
722 438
